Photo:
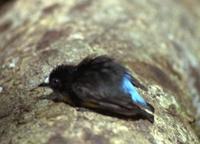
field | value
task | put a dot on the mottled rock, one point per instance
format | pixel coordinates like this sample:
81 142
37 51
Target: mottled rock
157 40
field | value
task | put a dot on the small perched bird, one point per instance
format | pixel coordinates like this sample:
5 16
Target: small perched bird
101 84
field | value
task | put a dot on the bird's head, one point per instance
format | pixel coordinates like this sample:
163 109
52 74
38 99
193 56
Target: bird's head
60 78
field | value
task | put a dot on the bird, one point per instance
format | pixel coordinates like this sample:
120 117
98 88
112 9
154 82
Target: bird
101 84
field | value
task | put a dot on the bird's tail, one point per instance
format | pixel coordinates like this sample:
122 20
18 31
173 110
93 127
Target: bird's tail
150 117
150 107
148 113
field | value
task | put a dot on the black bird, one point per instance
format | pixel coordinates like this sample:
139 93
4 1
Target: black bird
101 84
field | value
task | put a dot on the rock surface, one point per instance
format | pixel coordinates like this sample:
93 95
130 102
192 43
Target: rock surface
157 40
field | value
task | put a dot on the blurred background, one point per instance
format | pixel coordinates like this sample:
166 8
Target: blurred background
159 41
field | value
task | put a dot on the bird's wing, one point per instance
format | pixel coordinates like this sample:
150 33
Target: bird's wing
128 87
121 105
88 94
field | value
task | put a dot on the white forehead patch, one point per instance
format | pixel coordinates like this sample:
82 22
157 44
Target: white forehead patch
46 80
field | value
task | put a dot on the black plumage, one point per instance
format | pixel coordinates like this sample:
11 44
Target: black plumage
97 83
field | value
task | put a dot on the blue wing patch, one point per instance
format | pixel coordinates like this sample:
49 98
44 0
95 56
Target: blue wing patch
128 88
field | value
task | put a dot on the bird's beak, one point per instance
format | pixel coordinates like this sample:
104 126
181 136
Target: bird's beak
40 85
43 85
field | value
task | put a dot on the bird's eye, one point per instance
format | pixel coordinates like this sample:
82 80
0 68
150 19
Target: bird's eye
55 83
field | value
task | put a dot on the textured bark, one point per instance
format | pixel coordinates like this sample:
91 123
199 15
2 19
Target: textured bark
157 40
